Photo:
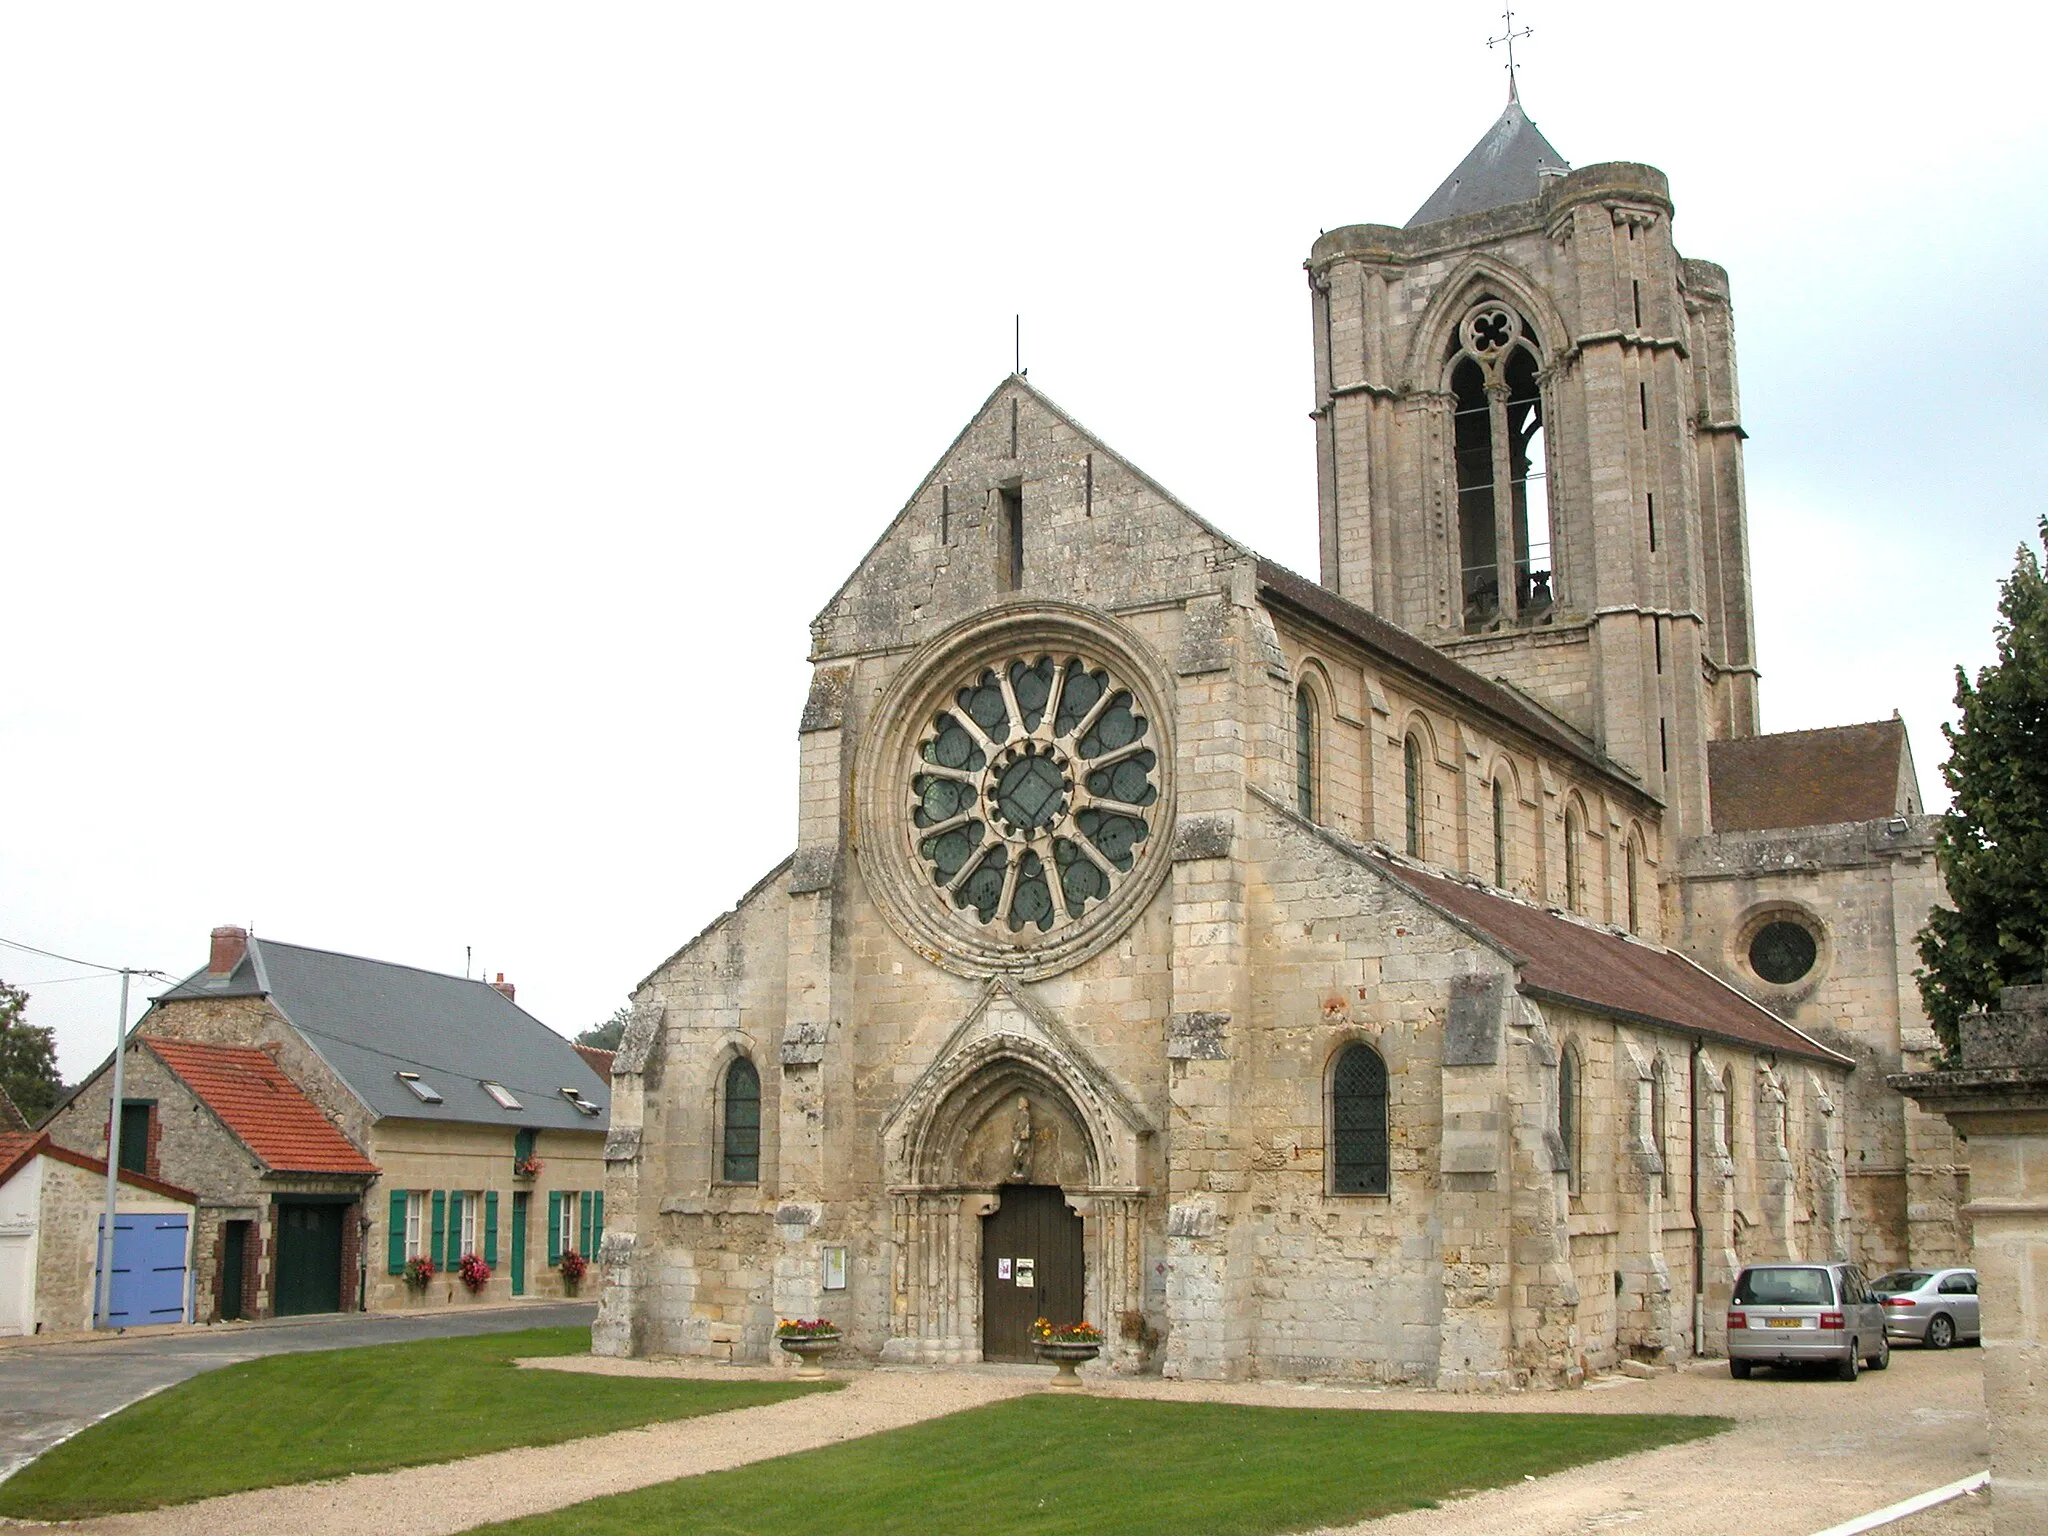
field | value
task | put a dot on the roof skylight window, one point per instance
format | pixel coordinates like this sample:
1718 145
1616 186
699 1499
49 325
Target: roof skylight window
583 1105
425 1092
502 1095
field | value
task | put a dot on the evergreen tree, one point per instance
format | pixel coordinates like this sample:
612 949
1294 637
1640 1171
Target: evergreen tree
28 1057
1993 844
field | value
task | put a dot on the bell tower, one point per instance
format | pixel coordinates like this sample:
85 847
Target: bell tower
1529 450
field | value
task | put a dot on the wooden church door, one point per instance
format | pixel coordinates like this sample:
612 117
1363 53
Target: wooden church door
1030 1268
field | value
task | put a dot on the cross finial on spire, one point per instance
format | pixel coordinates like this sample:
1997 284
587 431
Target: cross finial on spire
1507 12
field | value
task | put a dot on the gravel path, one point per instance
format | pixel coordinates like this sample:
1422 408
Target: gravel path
1806 1454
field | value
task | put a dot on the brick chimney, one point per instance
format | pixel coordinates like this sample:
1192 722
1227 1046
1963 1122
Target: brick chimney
230 948
506 987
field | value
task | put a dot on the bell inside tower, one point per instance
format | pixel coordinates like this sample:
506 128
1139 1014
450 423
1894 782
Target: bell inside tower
1503 499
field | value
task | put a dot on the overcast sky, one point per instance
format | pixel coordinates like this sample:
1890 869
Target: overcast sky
426 431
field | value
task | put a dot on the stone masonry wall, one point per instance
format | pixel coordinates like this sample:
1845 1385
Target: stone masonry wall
1863 890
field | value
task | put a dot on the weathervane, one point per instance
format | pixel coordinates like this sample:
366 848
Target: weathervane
1507 12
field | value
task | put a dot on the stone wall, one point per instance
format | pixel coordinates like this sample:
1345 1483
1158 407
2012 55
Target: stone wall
192 1150
1863 890
69 1206
475 1159
1998 1097
1366 709
1649 546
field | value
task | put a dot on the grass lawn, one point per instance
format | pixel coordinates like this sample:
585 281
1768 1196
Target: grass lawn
294 1418
1123 1467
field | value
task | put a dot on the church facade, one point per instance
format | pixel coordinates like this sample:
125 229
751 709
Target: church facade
1351 977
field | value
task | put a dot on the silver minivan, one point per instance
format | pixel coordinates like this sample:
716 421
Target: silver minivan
1805 1314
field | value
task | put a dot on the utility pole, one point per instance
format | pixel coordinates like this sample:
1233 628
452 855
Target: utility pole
103 1293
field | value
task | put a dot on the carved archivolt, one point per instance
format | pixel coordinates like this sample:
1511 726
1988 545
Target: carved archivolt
961 1126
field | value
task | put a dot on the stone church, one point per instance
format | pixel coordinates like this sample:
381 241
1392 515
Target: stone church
1425 973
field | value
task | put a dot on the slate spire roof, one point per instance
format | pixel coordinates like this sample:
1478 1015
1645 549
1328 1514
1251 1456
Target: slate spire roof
1504 167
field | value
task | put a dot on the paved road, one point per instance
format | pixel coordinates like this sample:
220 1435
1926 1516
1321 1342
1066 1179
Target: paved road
53 1390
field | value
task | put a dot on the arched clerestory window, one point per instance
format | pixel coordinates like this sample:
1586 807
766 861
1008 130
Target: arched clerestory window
740 1115
1358 1122
1411 776
1504 525
1305 745
1500 832
1574 859
1635 920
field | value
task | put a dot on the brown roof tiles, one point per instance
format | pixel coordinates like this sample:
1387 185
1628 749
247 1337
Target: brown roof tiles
1602 971
1812 778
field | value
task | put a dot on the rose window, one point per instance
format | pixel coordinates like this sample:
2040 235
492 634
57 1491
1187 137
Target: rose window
1032 792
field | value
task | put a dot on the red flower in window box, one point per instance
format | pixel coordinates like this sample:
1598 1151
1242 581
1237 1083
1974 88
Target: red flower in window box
573 1267
476 1274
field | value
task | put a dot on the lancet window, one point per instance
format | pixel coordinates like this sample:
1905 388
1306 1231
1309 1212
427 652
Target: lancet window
1358 1122
1504 526
1305 752
741 1113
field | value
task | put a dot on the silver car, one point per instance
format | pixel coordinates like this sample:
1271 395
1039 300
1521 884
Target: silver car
1805 1314
1935 1307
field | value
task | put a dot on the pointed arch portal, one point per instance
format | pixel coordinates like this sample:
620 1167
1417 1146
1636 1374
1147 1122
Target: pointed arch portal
1012 1150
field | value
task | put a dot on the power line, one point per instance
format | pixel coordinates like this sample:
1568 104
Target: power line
51 954
58 981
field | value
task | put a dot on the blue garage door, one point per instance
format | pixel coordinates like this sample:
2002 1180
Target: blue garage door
149 1269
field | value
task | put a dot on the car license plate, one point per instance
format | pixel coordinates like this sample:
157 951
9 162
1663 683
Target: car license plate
1781 1322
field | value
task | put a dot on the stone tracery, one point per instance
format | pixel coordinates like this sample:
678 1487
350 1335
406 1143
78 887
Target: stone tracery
1032 791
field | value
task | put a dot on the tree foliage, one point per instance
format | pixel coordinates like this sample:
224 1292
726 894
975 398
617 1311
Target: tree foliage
606 1036
1993 844
28 1057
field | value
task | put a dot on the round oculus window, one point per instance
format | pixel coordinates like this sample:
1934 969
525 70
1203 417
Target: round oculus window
1031 791
1783 952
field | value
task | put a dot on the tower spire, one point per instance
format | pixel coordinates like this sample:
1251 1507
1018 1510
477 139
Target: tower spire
1509 34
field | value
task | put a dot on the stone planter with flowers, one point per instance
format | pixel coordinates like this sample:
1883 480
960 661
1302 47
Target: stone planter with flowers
808 1339
1068 1346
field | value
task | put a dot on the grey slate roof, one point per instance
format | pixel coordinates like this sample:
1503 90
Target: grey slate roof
1501 169
370 1020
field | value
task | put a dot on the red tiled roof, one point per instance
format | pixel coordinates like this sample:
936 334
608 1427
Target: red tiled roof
600 1060
1809 778
259 1103
1607 973
14 1146
18 1147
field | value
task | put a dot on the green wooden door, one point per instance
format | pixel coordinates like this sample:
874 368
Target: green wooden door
308 1276
234 1254
519 1242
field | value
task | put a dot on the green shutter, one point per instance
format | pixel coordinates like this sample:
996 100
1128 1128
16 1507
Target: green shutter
454 1227
596 1223
522 1146
554 1226
394 1247
583 1224
491 1228
439 1255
